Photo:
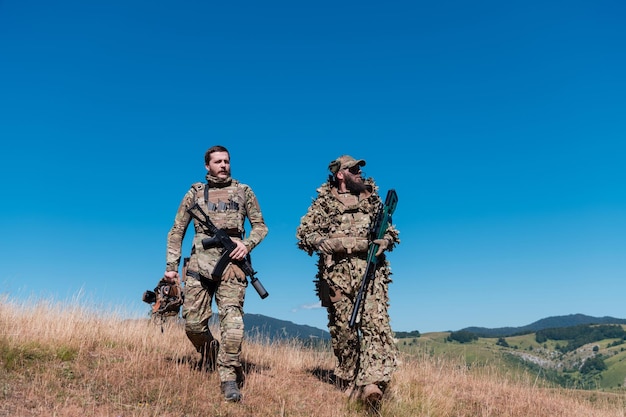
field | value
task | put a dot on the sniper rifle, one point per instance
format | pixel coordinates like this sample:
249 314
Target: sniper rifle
377 231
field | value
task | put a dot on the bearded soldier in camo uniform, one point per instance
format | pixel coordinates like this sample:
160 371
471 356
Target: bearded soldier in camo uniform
227 203
337 227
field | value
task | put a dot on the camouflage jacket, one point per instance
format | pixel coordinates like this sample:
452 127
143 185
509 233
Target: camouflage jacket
329 217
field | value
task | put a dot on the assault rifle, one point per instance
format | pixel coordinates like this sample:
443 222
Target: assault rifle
221 238
377 231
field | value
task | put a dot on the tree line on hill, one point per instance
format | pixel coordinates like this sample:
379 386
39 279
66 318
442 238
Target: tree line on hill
406 335
576 336
546 323
580 335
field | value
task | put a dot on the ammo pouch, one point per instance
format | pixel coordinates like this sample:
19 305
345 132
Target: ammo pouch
327 294
323 292
353 244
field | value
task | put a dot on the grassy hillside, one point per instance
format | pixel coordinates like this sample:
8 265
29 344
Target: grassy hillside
522 354
63 361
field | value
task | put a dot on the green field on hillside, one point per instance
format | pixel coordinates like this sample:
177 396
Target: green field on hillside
522 354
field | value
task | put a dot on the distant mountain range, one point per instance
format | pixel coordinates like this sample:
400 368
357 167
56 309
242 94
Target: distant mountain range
259 326
547 323
263 327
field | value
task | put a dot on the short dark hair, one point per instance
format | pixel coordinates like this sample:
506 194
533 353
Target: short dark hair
216 148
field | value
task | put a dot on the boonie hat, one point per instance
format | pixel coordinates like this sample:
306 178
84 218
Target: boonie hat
344 162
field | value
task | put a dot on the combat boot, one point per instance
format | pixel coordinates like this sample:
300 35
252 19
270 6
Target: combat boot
231 391
372 395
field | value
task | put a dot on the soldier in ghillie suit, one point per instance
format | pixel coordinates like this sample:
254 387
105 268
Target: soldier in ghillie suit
228 203
337 227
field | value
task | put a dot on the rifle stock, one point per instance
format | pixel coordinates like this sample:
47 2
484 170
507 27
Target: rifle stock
377 231
221 238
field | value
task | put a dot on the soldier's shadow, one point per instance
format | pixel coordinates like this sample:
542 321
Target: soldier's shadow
328 376
325 375
196 364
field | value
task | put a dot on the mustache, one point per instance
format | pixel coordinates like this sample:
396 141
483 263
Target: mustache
355 186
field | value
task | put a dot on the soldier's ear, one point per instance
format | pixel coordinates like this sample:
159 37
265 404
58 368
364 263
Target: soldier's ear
334 166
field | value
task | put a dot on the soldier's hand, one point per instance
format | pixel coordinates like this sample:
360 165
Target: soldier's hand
330 246
240 252
383 244
171 276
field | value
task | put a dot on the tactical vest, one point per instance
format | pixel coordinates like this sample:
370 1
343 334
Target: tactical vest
353 222
226 206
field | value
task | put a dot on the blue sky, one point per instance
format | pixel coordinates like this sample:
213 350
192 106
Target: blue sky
501 125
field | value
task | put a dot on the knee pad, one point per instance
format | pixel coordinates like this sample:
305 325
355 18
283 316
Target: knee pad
232 331
199 340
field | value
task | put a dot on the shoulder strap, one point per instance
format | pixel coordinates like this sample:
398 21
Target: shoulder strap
196 187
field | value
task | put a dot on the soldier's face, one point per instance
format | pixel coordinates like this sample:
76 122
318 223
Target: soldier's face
219 165
354 180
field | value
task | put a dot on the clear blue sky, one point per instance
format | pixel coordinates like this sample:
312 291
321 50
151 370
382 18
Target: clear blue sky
501 125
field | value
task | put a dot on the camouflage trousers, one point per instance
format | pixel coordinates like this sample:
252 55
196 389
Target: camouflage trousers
372 357
229 297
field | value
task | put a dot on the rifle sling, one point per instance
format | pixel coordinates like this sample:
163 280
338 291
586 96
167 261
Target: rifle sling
206 195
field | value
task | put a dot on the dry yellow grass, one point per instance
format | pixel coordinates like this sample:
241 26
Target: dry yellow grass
62 360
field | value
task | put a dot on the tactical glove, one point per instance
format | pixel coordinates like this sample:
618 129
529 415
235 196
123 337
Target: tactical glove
383 244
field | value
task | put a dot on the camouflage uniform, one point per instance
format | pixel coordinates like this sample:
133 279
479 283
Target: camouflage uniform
372 358
228 203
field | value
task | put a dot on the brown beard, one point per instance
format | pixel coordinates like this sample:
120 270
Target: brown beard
354 186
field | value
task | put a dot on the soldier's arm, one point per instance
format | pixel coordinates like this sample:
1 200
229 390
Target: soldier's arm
258 229
177 233
310 231
392 237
